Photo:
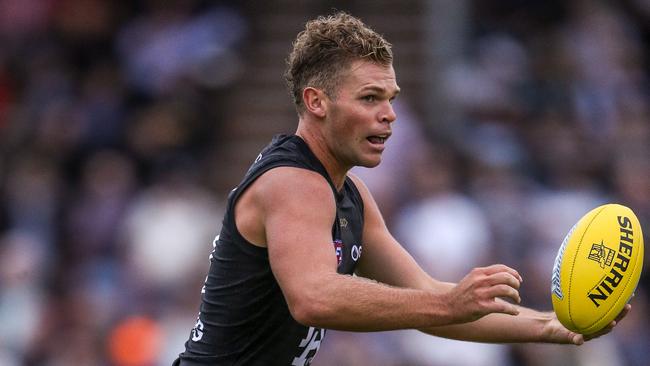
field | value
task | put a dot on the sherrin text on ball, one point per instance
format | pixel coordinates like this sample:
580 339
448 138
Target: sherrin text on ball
597 268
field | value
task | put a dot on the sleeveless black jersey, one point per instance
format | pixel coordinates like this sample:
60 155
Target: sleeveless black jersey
244 318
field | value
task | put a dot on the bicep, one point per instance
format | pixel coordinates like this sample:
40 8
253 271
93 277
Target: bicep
298 212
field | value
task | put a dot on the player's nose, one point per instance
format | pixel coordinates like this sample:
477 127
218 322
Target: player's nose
388 113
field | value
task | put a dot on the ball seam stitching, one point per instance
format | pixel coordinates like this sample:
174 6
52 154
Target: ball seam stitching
573 263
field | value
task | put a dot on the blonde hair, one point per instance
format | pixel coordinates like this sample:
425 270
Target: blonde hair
326 48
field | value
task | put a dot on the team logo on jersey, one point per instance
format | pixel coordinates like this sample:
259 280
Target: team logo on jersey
338 249
356 252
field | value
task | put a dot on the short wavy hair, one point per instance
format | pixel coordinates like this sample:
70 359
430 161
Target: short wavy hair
326 48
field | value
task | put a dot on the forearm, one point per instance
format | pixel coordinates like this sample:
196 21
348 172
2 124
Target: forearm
528 326
358 304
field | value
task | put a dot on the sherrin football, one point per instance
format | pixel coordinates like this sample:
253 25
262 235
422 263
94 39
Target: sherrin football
597 268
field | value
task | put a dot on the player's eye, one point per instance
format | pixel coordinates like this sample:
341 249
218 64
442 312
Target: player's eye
370 98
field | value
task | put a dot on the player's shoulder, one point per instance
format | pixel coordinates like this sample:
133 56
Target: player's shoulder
292 183
294 175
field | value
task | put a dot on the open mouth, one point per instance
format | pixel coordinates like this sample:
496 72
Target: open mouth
379 140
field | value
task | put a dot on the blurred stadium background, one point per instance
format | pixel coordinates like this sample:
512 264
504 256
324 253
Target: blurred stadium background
123 125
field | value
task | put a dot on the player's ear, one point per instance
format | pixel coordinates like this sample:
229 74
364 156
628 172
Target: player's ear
314 101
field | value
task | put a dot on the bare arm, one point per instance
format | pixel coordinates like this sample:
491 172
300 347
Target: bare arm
297 209
385 260
528 326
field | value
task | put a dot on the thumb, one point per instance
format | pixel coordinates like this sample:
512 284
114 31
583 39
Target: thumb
577 339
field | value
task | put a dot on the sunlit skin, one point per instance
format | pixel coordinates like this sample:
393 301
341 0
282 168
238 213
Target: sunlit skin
350 128
290 211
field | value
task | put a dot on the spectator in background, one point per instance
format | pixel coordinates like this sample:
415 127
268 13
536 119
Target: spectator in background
170 44
95 97
72 168
448 233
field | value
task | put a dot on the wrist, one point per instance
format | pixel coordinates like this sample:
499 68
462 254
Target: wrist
442 309
554 332
545 330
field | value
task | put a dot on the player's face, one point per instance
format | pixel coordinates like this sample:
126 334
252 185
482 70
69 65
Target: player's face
361 114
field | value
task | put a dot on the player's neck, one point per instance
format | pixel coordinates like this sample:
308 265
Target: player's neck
319 147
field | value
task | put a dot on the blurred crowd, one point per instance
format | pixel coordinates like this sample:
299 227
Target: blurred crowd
110 193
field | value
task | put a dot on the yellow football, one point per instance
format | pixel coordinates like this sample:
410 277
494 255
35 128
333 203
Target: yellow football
597 268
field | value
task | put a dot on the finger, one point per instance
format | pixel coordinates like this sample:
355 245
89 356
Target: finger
503 307
504 278
611 325
623 313
503 291
602 332
577 339
495 268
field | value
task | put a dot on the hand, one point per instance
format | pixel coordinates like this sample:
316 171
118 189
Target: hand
476 295
555 332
